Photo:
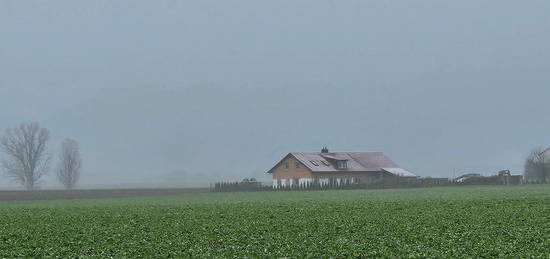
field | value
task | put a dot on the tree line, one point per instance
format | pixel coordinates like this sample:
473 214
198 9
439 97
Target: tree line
26 158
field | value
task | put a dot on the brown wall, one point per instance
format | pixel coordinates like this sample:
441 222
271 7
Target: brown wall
280 172
362 177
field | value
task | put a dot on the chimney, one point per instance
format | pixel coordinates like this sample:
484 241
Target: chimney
324 150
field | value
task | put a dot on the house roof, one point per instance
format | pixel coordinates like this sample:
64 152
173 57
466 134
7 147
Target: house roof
356 162
399 172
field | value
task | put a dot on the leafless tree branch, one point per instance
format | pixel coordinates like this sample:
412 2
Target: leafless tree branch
70 164
27 159
537 166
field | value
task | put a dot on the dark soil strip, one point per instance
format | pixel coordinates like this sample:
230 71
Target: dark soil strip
92 194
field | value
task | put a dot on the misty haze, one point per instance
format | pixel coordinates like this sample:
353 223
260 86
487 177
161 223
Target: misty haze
260 99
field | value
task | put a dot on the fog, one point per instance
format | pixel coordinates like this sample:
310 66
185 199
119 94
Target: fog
183 93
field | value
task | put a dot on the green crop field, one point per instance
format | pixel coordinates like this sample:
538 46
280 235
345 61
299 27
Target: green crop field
437 222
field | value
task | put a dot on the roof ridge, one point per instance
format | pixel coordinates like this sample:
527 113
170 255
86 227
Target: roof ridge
343 152
358 162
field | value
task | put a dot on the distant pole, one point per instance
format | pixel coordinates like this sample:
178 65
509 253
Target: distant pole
454 173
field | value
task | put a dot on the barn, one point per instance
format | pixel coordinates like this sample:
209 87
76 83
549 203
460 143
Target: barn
299 168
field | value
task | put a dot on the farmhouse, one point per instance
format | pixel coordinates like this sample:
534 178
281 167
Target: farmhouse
298 168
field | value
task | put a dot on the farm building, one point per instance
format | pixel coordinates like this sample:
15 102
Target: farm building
298 168
503 177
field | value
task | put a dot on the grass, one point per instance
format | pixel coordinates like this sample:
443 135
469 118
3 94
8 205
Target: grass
436 222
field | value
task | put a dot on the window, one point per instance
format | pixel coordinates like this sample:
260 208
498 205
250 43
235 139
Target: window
342 164
297 164
286 165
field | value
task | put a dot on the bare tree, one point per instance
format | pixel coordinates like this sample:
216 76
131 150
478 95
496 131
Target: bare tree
27 158
537 166
70 164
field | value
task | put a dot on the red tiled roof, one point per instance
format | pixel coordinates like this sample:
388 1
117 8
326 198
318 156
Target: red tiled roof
356 162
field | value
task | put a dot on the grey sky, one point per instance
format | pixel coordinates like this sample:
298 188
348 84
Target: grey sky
173 91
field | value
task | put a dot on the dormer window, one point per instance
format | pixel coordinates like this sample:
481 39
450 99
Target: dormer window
342 164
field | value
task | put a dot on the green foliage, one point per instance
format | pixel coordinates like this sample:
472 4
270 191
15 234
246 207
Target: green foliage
437 222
